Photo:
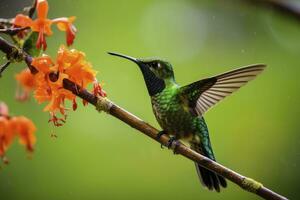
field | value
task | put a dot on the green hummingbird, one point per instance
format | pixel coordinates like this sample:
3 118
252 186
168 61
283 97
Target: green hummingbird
179 109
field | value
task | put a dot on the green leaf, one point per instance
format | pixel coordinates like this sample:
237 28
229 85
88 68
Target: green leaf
30 45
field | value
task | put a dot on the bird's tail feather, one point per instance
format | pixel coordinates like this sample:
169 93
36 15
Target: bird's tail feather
209 179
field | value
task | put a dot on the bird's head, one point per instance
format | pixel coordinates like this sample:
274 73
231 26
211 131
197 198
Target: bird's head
162 69
156 72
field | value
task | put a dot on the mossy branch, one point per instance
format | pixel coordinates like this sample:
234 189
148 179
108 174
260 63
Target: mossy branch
104 104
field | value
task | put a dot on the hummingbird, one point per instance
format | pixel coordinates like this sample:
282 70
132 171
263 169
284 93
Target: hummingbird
179 109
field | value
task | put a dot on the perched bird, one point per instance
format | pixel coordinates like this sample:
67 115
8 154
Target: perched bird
179 110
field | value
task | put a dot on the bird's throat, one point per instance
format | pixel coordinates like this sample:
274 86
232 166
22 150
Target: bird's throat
154 84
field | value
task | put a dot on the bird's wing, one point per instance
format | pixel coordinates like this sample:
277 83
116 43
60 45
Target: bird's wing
202 95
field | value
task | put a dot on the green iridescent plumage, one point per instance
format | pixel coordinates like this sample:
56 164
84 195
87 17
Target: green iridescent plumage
179 110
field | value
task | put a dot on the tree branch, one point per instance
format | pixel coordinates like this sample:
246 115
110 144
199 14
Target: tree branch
4 23
12 31
103 104
284 7
3 68
31 9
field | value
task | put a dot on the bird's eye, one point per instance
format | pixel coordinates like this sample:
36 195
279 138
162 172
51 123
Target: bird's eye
158 65
154 65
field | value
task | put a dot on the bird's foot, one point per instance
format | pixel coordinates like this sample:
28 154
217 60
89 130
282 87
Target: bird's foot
176 144
158 136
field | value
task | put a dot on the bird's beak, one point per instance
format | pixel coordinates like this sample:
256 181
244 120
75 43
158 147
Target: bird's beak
125 56
143 66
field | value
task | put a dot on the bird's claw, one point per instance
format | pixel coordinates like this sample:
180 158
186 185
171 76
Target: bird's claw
161 133
170 144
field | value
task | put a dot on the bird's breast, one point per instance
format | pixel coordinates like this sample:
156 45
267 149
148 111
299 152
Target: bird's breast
172 116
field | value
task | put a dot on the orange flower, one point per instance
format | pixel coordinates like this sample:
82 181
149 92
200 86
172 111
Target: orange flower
43 25
11 127
73 63
24 128
42 64
27 81
53 93
6 135
66 24
47 83
70 64
49 90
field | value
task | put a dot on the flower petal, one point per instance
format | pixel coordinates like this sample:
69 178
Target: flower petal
26 79
22 21
42 64
25 130
3 109
6 134
42 9
66 24
27 82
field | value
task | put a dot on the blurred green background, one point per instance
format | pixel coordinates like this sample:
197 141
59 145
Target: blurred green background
254 132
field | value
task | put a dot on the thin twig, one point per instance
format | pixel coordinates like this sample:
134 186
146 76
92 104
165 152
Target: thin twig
5 22
3 68
31 9
12 31
136 123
